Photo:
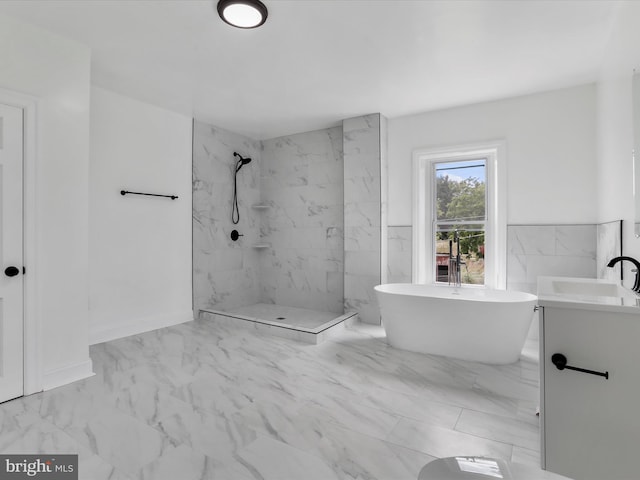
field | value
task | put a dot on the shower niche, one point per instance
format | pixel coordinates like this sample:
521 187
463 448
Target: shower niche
260 208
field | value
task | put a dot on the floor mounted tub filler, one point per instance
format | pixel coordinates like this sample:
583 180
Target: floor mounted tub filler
467 323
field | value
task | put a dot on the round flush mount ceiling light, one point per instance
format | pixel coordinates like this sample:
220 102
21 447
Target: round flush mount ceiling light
242 13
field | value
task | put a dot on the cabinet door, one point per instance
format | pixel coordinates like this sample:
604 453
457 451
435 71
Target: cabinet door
591 424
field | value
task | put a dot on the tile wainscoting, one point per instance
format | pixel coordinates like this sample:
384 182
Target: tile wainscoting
533 250
399 265
541 250
609 245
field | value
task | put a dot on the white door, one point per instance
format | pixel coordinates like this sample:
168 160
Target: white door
11 255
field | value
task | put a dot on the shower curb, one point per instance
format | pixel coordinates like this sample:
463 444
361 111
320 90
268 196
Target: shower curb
313 336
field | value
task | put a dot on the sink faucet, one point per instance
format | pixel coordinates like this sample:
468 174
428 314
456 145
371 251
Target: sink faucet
636 285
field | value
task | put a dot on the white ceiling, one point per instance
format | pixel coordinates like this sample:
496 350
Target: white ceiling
316 62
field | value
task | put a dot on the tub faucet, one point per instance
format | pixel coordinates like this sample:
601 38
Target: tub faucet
636 285
455 274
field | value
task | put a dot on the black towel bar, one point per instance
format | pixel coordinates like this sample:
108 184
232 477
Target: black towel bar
560 361
124 192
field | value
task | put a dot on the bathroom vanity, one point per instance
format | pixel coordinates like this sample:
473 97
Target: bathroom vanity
589 378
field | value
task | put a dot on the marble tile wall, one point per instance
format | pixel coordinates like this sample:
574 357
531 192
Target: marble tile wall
225 273
302 184
399 251
567 250
609 245
384 199
363 196
539 250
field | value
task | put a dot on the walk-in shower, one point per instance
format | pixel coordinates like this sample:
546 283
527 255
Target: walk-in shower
278 264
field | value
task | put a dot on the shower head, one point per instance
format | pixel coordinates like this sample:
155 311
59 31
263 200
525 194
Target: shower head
241 161
235 213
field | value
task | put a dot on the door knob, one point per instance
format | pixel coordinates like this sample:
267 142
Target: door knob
11 271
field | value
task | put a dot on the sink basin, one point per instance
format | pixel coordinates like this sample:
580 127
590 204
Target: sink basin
587 293
573 287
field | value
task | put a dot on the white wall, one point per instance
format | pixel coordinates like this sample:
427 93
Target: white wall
57 72
139 246
551 152
615 140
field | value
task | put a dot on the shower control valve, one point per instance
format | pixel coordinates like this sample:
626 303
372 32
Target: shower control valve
235 235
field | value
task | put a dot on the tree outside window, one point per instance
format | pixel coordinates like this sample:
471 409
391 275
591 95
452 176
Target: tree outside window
461 204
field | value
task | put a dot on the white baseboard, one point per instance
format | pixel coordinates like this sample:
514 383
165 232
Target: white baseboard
65 375
136 326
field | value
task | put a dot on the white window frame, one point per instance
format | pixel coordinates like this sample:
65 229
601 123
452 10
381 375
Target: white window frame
423 207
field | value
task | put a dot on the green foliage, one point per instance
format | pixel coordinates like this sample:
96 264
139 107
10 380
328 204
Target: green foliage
462 200
468 202
446 189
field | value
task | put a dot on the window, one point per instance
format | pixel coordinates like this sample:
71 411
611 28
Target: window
460 190
459 218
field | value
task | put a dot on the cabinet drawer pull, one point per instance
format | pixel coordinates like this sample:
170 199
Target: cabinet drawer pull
560 361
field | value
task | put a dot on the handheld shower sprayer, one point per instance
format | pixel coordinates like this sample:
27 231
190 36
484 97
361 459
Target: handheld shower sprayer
235 213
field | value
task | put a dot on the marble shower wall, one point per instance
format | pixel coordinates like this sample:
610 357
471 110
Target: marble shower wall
364 200
302 184
225 273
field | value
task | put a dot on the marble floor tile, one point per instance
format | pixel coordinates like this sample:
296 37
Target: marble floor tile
354 455
459 396
292 463
15 416
414 407
528 412
72 406
185 463
95 468
205 400
36 436
443 442
123 441
357 417
525 456
501 429
349 454
518 380
213 434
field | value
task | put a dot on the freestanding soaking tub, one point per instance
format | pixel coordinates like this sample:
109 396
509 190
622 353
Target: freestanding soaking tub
467 323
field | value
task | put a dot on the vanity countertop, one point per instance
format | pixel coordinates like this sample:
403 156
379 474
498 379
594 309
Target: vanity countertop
587 294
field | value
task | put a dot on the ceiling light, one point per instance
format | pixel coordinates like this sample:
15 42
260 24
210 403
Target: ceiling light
242 13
